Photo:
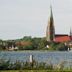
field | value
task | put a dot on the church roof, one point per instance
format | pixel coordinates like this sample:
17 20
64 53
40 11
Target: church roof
61 35
62 38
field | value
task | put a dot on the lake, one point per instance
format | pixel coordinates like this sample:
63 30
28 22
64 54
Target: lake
54 57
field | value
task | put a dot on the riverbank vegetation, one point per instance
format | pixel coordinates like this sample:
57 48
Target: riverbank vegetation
29 43
35 71
7 65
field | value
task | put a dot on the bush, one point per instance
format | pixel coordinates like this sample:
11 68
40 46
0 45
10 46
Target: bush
4 65
62 47
7 65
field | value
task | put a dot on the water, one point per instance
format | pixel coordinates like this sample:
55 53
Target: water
40 56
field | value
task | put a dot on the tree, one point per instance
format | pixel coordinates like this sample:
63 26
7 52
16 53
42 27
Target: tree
35 42
42 44
62 47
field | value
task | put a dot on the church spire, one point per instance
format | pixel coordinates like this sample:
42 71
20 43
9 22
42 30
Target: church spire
70 34
51 12
50 32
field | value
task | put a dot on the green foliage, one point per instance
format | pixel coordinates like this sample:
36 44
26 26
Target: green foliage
36 71
7 65
16 65
27 47
26 38
42 44
57 46
4 64
62 47
33 44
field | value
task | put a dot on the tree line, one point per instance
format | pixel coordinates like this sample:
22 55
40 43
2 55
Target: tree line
29 43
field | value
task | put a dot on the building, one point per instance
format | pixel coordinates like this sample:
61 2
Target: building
50 32
62 38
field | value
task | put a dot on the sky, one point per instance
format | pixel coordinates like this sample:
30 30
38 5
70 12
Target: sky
19 18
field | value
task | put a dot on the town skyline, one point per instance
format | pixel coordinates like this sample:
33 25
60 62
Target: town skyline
30 18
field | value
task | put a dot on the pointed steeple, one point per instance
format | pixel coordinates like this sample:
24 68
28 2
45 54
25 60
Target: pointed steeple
70 34
51 15
70 31
50 32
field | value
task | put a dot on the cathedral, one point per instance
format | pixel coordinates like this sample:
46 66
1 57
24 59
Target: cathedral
50 32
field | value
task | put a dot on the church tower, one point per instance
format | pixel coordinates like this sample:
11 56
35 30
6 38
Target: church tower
50 32
70 34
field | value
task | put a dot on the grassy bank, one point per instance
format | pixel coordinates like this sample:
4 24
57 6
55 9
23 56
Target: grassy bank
35 71
18 66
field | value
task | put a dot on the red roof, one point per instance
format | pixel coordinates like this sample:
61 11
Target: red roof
62 38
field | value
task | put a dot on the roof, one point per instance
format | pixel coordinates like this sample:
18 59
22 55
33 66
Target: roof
62 38
61 35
